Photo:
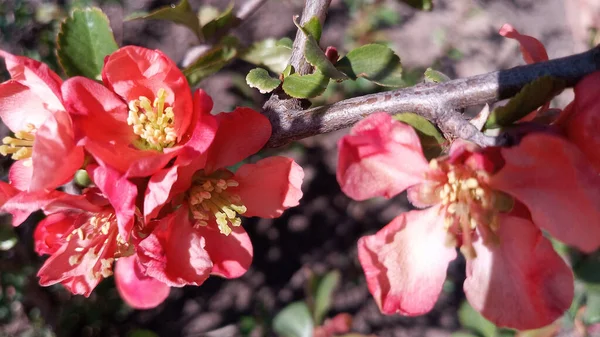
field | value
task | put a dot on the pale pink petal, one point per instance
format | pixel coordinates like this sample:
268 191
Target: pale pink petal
557 184
532 49
137 289
19 174
520 282
405 262
55 157
270 186
19 107
231 254
380 157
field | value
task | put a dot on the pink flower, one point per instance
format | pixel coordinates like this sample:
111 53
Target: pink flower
514 277
83 243
197 208
142 118
31 106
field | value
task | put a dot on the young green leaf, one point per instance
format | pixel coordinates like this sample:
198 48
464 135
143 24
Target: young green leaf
260 79
375 62
313 53
306 86
181 13
294 321
531 97
434 76
432 140
324 295
211 61
84 39
221 22
268 53
472 320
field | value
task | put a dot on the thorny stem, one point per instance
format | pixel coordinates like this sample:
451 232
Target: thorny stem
436 102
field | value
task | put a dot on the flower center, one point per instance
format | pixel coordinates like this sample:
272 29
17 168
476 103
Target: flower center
21 146
152 122
98 240
469 203
209 199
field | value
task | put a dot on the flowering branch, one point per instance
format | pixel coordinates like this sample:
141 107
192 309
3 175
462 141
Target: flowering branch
436 102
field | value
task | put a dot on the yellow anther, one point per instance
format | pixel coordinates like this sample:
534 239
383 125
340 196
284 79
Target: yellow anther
80 233
21 146
152 121
74 259
471 183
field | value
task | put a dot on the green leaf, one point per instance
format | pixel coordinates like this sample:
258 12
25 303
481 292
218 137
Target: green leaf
224 21
434 76
531 97
314 54
268 53
306 86
84 39
8 238
313 28
181 13
324 295
375 62
472 320
260 79
285 42
294 321
424 5
211 61
432 140
592 309
463 334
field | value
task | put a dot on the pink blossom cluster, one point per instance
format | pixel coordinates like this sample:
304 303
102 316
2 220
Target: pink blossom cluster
163 204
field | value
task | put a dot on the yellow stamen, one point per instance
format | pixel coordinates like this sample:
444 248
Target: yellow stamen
21 146
152 122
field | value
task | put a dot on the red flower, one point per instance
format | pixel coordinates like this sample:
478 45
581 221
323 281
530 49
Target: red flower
83 243
143 118
468 194
198 231
32 107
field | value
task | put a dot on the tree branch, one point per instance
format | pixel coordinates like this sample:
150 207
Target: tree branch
436 102
312 8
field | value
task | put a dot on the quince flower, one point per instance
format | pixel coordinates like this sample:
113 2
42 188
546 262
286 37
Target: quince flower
514 277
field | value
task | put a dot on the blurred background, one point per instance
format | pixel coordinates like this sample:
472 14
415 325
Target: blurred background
309 254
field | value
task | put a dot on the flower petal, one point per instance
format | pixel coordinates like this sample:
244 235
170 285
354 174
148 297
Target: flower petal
241 133
380 157
270 186
37 76
55 157
405 262
137 289
174 253
19 106
583 125
532 49
231 254
134 71
19 174
521 283
553 179
121 193
50 233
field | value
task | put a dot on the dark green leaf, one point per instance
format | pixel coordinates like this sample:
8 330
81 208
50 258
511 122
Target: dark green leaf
181 13
268 53
260 79
306 86
472 320
142 333
432 140
375 62
324 295
84 39
531 97
434 76
294 321
425 5
211 61
314 54
224 21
